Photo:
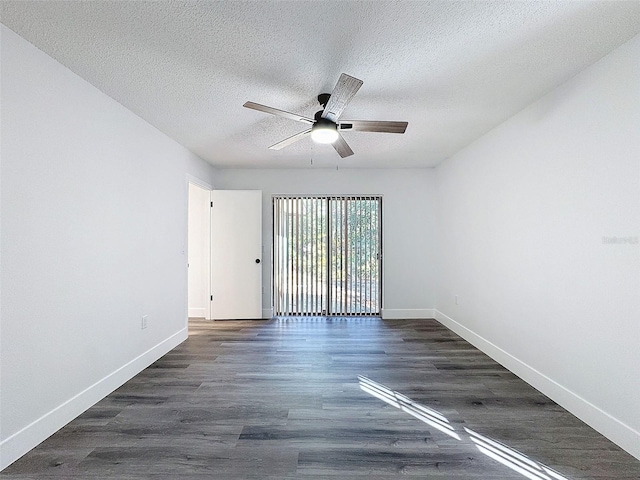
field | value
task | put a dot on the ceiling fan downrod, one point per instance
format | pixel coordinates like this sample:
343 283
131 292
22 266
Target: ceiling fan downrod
323 98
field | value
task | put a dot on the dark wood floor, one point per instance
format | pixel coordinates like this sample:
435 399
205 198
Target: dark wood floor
281 399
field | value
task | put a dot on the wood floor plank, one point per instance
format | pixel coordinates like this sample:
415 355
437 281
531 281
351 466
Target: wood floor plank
281 399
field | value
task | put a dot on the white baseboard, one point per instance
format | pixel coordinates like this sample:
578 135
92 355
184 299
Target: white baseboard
267 313
197 312
15 446
402 313
618 432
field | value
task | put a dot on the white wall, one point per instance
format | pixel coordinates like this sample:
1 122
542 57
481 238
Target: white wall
93 236
521 219
199 251
408 219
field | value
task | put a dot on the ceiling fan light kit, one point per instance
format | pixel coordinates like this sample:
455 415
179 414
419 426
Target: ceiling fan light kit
326 125
324 131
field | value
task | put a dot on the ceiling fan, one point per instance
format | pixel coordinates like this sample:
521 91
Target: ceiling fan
326 124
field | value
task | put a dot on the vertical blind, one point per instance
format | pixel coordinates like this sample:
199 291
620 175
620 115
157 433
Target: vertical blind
327 255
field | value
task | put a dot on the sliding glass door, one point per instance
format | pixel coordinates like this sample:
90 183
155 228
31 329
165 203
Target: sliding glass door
327 255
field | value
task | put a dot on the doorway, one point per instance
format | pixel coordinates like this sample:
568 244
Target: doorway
199 252
224 253
327 255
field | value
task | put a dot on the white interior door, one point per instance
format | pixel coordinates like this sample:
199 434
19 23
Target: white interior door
236 254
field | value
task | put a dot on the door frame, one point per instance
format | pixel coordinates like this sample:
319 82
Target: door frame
192 180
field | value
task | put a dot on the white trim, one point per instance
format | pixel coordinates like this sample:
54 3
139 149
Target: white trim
618 432
199 312
406 313
200 183
15 446
191 180
267 313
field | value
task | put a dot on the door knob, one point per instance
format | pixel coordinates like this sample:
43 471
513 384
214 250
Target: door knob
257 260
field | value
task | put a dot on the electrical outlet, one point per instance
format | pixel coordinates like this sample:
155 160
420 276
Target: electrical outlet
143 324
456 299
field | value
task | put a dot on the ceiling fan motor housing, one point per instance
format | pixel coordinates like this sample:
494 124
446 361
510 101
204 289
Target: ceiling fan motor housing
318 117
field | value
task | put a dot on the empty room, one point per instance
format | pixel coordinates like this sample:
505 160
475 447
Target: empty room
320 239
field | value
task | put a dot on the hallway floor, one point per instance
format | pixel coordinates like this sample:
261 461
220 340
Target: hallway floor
311 398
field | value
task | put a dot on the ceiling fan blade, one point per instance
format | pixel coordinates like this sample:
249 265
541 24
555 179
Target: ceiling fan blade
342 94
277 112
373 126
290 140
342 147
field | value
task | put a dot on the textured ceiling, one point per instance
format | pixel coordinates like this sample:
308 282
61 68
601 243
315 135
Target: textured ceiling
453 70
